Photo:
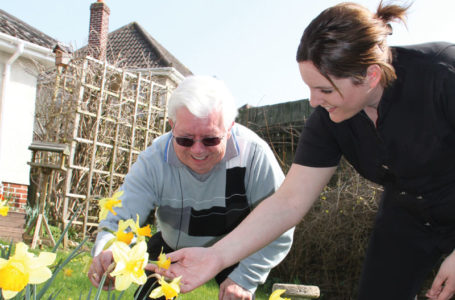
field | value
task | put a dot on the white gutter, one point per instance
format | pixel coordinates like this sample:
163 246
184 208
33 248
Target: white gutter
171 72
5 80
42 54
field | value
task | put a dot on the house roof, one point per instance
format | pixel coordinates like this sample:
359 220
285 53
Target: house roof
12 26
132 47
129 46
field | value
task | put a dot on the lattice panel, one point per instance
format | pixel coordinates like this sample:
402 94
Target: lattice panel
107 116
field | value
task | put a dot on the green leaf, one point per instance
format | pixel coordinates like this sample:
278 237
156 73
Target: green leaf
27 292
109 243
100 287
67 227
54 295
72 255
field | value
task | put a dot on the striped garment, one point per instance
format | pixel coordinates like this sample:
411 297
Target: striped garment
198 210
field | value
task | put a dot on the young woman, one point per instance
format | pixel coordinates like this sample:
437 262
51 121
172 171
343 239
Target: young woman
390 111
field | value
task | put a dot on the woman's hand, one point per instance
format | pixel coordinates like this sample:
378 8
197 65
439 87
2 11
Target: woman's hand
195 265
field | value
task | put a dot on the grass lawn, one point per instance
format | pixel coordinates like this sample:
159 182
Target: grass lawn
72 285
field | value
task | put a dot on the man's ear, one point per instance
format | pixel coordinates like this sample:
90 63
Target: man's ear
374 74
230 127
229 130
171 123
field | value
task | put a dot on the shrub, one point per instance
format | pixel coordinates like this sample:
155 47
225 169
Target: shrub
330 242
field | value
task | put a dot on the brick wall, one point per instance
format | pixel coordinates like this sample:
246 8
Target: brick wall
18 194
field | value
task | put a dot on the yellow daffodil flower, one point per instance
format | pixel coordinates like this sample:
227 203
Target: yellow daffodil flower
123 236
107 205
276 295
141 232
120 235
130 264
24 268
163 261
4 208
168 290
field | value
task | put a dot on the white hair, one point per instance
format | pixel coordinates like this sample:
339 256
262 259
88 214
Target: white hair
202 95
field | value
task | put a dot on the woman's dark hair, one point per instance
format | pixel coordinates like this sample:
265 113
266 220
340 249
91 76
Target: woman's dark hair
344 40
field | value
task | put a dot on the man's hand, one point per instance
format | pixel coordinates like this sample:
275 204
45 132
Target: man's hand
195 265
99 266
443 287
229 290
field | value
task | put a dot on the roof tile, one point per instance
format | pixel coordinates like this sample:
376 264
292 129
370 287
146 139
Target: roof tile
14 27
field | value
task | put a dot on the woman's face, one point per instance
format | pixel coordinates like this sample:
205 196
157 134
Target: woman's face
341 105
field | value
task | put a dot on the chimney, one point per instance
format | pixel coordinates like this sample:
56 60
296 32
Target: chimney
99 28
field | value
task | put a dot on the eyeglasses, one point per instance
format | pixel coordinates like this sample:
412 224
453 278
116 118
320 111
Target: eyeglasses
207 141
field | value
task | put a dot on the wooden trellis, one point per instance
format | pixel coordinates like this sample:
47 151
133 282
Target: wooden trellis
107 116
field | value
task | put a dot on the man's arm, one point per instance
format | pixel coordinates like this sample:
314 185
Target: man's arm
270 219
138 198
254 269
264 177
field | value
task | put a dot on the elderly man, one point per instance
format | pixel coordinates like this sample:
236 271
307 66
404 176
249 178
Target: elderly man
202 179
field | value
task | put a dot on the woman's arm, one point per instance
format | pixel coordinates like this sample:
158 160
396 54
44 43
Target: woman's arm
268 221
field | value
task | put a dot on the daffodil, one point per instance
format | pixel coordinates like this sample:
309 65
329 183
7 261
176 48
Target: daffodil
168 290
130 264
24 268
120 235
276 295
123 236
141 232
107 205
4 208
163 261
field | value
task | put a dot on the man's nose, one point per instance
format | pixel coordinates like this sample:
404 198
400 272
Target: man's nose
198 147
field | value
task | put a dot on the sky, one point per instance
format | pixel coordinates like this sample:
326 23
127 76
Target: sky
249 44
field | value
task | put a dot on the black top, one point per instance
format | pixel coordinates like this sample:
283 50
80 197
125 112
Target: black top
413 146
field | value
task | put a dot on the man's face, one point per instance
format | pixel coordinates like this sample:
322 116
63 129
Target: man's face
198 157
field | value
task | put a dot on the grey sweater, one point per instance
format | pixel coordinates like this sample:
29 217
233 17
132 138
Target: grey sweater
198 210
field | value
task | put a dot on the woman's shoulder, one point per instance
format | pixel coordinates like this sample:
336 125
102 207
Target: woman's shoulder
434 52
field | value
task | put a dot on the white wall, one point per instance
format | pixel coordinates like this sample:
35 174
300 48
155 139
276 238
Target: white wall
17 125
17 104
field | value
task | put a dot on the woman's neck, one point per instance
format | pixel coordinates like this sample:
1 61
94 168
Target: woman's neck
371 109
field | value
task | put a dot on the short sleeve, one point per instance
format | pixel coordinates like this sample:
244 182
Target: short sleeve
447 97
318 146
